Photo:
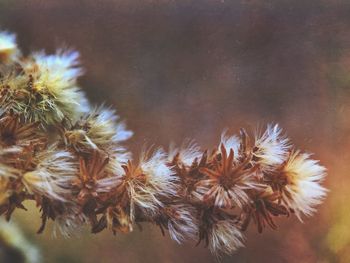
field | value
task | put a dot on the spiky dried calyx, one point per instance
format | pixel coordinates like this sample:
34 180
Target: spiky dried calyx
80 173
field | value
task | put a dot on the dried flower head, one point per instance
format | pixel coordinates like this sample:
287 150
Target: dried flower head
263 208
14 133
180 220
147 183
98 129
219 231
226 182
69 221
271 148
66 214
43 88
302 190
52 176
225 237
93 180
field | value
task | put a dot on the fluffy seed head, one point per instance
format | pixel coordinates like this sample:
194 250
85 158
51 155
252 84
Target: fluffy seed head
303 190
225 237
227 181
149 182
180 220
43 88
271 148
158 174
70 222
186 154
99 129
53 174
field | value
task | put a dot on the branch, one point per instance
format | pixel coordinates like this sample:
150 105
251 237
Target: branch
71 160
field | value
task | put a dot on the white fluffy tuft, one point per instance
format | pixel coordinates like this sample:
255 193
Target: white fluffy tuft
304 190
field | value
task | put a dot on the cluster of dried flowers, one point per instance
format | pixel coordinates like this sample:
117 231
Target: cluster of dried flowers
70 160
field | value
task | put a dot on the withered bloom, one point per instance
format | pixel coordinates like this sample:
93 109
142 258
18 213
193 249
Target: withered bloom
148 182
180 220
42 87
67 216
219 231
271 148
302 189
93 180
53 175
98 129
227 180
264 206
15 133
188 174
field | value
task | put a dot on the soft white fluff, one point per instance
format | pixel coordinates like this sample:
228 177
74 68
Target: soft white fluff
187 153
60 70
230 142
104 127
271 148
184 224
53 175
105 185
211 189
304 190
55 76
158 173
153 180
101 129
70 222
225 237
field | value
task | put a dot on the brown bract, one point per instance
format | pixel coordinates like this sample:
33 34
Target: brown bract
15 133
91 170
263 208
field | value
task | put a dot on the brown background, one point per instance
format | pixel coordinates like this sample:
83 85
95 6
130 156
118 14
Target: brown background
178 69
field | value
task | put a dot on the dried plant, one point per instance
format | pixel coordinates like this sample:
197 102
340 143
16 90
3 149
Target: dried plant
70 160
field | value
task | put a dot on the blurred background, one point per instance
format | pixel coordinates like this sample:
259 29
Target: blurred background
189 69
